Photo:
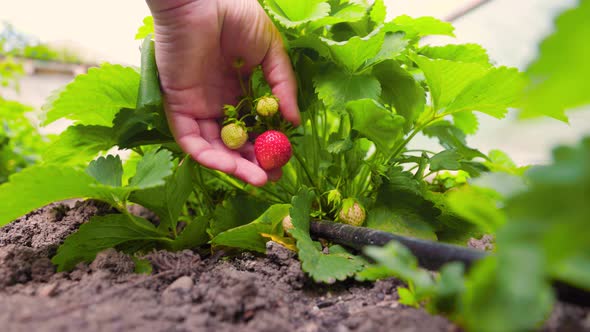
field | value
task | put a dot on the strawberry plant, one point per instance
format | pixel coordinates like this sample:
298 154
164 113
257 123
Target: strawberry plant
366 87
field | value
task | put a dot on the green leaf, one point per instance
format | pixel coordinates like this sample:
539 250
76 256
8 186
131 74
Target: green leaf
292 14
102 233
96 97
106 170
466 121
343 12
559 75
336 88
376 123
492 94
193 235
354 52
402 264
510 287
446 160
457 52
378 12
152 169
447 79
236 211
337 265
399 221
146 29
421 26
38 186
452 138
79 144
167 200
401 91
248 236
477 206
393 45
150 93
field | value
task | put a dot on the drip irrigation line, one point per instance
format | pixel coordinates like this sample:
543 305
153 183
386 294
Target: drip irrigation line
430 254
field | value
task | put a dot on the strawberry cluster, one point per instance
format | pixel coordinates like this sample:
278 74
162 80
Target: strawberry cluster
271 147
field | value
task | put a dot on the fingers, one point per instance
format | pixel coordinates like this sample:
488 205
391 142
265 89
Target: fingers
279 75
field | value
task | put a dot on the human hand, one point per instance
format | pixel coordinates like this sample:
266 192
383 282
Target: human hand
197 43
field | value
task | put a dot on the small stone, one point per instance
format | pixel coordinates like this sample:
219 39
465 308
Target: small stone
48 290
184 283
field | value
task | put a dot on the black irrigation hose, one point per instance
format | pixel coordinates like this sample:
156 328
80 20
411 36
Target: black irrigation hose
431 255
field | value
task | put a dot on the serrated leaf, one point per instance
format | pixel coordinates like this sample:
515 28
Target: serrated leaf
446 160
292 14
421 26
354 52
499 89
401 91
336 87
167 200
338 265
152 169
559 75
452 138
132 128
38 186
79 144
343 12
378 12
96 97
447 79
376 123
466 121
394 43
146 29
236 211
250 236
107 170
102 233
457 52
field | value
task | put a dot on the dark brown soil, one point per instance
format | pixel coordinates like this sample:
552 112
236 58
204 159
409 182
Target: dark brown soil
190 293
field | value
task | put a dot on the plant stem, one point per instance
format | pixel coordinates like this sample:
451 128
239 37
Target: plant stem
307 173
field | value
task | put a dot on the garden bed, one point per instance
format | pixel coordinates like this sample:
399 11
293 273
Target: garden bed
187 291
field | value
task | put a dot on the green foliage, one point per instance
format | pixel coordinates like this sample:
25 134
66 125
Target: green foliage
249 236
95 98
146 29
558 76
101 233
338 264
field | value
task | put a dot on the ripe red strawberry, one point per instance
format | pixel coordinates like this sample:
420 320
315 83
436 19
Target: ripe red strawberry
272 150
267 106
234 135
352 212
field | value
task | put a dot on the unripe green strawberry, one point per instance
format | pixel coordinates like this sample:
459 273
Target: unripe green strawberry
272 150
234 135
267 106
352 212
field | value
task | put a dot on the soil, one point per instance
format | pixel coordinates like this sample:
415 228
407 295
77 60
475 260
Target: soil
189 292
